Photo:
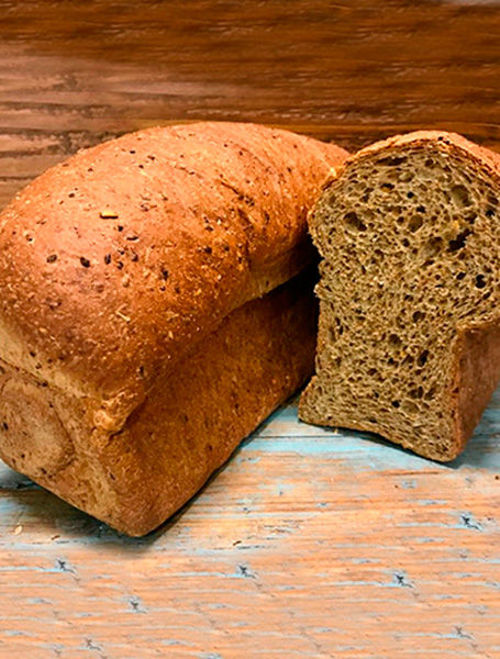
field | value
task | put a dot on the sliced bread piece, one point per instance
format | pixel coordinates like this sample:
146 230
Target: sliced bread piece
409 331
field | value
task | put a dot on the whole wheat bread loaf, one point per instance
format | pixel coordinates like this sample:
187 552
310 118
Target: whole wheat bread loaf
409 329
150 313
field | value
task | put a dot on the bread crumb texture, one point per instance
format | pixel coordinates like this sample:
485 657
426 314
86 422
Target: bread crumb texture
409 339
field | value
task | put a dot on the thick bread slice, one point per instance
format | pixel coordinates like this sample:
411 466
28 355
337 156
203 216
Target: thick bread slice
133 358
409 329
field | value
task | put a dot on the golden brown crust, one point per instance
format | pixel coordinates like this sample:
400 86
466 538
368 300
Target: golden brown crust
116 262
450 141
133 353
189 425
477 375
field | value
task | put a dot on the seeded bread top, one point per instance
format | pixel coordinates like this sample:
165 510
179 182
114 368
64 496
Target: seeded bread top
115 262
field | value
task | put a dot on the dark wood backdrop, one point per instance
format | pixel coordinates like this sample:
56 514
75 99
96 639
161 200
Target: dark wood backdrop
73 73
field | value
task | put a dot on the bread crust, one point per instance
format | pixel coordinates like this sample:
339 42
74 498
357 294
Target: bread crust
145 326
477 376
476 350
487 159
115 262
188 426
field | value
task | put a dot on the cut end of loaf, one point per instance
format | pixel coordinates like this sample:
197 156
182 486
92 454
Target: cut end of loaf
409 234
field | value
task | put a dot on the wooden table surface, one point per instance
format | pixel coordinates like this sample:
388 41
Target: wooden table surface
309 543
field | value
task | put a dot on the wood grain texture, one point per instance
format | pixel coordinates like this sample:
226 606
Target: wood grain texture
310 543
347 71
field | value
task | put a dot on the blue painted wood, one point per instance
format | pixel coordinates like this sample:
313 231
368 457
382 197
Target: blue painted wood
310 542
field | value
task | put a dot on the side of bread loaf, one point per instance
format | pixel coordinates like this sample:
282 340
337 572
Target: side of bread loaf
140 337
189 424
409 339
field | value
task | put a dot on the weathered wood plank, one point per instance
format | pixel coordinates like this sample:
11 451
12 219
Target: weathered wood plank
307 544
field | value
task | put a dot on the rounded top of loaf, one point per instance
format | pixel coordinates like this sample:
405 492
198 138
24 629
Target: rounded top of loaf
116 262
447 141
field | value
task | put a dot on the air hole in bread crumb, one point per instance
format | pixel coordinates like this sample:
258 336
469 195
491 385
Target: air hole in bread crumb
433 246
422 358
480 281
395 403
394 340
418 315
417 393
459 242
415 223
460 194
430 394
353 221
52 258
85 262
393 161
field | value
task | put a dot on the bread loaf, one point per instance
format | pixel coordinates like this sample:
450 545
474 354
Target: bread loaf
409 329
141 337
